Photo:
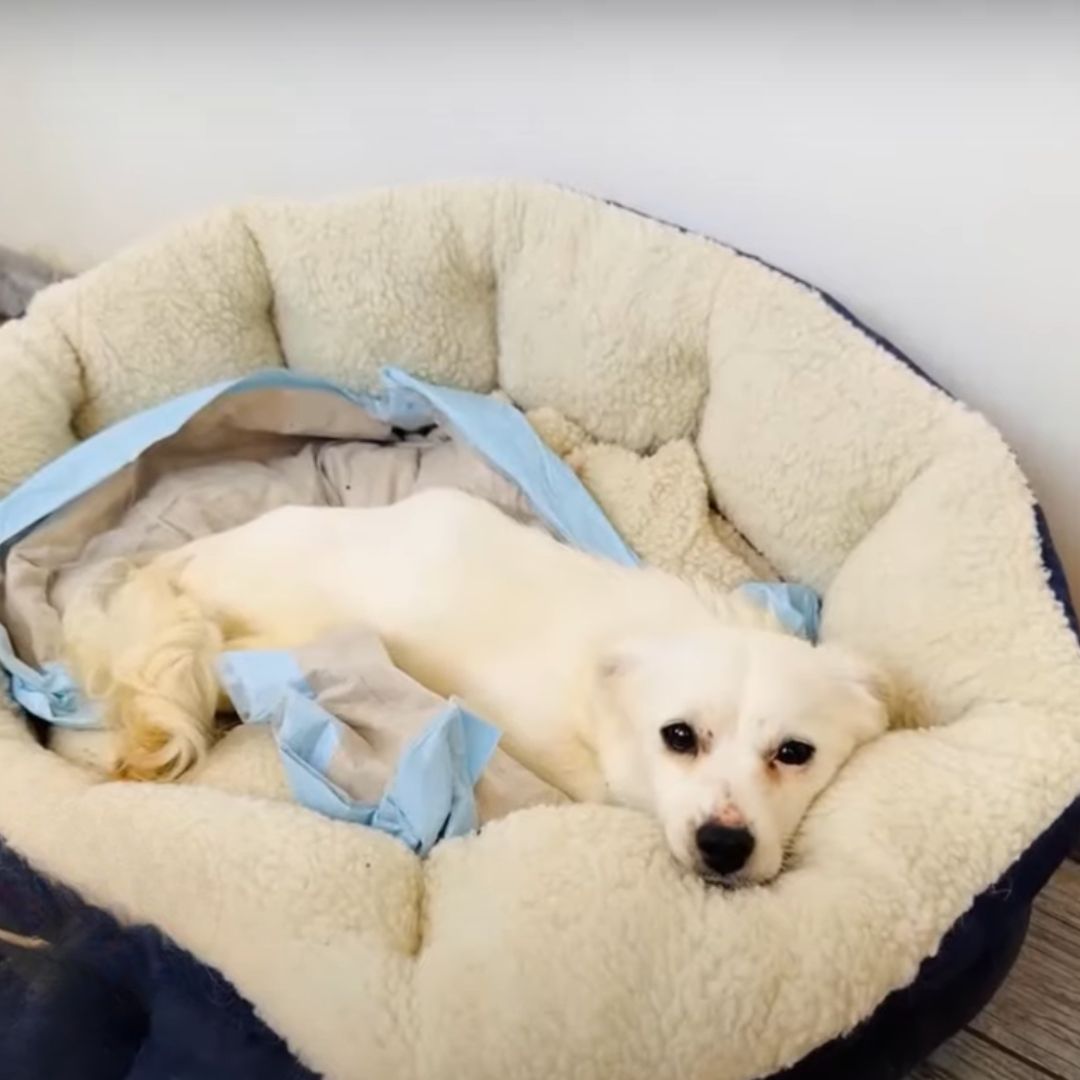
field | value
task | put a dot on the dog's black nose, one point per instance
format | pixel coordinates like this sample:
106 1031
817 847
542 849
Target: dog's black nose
724 850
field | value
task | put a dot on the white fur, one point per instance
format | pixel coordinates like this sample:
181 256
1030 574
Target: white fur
745 691
580 662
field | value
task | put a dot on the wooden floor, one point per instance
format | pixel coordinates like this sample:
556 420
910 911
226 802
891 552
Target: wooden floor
1031 1030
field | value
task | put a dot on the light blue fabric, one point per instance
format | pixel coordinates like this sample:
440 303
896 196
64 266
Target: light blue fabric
797 607
49 694
498 432
431 794
502 436
90 462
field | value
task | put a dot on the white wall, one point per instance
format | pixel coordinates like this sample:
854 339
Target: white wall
925 169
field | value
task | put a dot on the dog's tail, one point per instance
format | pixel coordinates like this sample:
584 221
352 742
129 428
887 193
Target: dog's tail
145 650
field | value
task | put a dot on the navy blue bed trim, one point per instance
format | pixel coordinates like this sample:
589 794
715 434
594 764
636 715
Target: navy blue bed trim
106 1002
978 951
1055 572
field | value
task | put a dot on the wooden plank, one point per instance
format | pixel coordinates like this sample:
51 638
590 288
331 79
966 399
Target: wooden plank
1036 1014
970 1057
1061 898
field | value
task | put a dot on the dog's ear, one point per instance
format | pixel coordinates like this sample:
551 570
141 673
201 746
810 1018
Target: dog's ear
871 682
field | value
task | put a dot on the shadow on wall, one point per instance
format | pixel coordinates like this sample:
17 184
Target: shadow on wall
20 277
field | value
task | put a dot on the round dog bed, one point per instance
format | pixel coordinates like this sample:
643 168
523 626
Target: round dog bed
732 422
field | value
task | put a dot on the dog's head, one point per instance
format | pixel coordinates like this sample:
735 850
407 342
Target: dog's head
728 735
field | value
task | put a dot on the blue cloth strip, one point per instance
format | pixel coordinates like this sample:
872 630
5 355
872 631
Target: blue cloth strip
797 607
502 436
498 432
431 793
49 693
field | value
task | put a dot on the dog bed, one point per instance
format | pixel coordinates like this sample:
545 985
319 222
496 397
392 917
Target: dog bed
732 423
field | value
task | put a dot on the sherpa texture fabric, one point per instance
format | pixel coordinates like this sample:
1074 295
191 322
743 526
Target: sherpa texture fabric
730 422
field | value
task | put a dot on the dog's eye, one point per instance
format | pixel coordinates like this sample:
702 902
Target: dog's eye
679 738
793 752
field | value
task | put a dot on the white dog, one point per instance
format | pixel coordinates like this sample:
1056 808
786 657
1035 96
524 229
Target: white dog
613 683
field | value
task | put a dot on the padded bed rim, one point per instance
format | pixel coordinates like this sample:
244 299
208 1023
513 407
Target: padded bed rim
908 1025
